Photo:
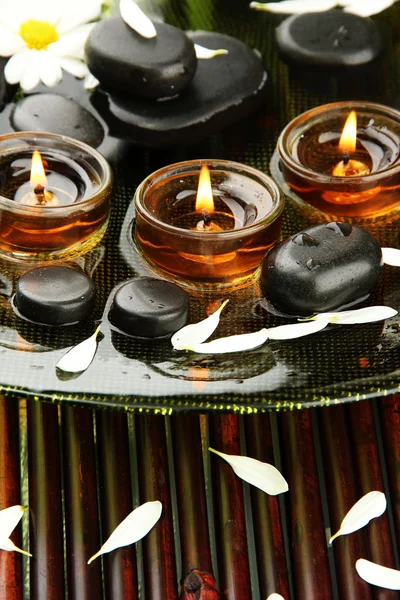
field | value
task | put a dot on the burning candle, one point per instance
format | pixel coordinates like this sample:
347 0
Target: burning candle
349 167
207 223
342 158
54 195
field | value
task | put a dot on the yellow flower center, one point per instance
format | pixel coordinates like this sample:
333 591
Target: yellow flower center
38 34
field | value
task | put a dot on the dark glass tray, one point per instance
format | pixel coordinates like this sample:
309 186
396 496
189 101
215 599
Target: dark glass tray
337 364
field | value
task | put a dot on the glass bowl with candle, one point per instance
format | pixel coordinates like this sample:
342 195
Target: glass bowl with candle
207 222
54 196
343 159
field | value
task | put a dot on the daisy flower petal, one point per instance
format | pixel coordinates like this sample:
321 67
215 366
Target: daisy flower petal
72 44
50 72
78 13
10 42
76 67
30 76
15 67
136 19
90 82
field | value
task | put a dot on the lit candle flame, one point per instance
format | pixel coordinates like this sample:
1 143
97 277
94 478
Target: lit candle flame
38 176
348 139
204 198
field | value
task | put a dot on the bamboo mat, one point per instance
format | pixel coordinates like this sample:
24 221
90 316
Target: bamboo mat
82 471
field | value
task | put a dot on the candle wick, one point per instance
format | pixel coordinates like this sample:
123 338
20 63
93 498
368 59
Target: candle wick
39 189
346 159
206 218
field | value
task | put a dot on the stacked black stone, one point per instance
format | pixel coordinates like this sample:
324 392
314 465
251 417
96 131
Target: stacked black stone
155 92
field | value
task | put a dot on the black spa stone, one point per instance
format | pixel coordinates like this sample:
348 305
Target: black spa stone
328 39
224 90
149 308
323 268
125 61
56 114
55 295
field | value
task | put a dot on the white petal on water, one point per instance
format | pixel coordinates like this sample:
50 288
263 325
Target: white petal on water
289 7
196 333
202 52
249 341
262 475
136 19
367 8
295 330
232 343
391 256
133 528
369 507
368 314
79 357
378 575
9 519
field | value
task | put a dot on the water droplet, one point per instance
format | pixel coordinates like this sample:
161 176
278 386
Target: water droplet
339 228
312 264
161 305
304 239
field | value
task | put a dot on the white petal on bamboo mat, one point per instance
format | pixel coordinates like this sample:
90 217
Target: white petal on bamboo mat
196 333
202 52
133 528
295 330
391 256
378 575
290 7
79 358
249 341
262 475
369 507
9 519
136 19
232 343
367 8
355 317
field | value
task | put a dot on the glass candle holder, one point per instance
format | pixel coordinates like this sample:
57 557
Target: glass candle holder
245 223
364 182
68 215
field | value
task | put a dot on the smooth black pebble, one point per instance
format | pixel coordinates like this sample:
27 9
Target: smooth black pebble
320 269
56 114
125 61
55 295
149 308
224 90
329 39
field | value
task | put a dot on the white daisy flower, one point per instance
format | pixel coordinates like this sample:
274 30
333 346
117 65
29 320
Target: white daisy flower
42 37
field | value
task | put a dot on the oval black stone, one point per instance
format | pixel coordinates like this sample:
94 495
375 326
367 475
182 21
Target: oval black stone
56 114
125 61
223 91
55 295
331 39
149 308
341 270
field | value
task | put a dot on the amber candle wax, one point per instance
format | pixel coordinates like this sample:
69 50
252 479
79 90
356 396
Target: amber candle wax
223 244
359 177
54 196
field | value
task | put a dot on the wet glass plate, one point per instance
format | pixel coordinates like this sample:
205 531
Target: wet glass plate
337 364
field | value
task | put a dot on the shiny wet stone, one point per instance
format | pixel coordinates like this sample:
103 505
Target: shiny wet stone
149 308
56 114
323 268
328 39
124 61
55 295
224 90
